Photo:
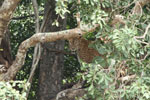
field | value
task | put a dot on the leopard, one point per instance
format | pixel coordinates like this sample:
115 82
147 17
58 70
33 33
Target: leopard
81 46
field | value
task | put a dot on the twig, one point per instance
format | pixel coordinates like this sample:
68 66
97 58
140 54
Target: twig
145 57
124 7
35 6
141 41
37 49
78 15
129 4
143 36
45 20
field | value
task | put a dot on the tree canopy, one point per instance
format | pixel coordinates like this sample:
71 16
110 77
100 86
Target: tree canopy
111 38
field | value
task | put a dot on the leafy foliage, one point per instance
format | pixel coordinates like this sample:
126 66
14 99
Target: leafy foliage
123 72
124 41
8 91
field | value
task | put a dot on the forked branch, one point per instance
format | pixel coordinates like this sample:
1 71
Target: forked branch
40 38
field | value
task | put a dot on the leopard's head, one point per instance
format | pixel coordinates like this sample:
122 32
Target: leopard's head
74 43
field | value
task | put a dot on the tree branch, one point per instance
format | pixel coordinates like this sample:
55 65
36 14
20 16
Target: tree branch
138 6
72 93
37 49
143 2
6 11
145 33
40 38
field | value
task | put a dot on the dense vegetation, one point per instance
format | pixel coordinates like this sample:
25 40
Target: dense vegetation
122 73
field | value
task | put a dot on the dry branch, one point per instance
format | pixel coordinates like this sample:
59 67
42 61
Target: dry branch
127 78
145 33
143 2
40 38
138 6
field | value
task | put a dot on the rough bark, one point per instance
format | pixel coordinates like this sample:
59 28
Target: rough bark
5 53
72 94
6 11
7 8
51 64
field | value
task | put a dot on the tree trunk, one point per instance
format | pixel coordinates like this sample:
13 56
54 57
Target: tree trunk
7 7
5 53
51 65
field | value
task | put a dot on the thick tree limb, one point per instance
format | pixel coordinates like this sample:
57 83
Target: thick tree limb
40 38
6 11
